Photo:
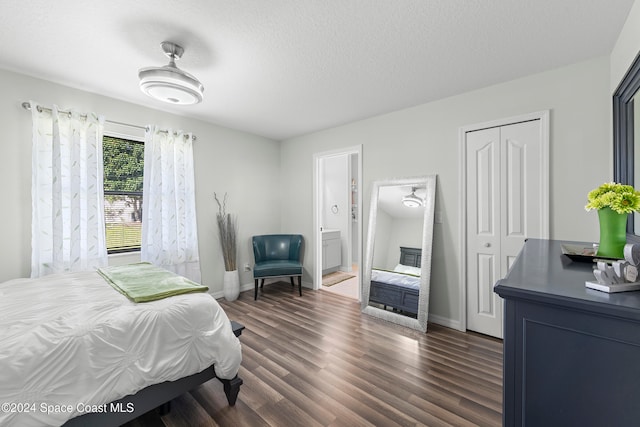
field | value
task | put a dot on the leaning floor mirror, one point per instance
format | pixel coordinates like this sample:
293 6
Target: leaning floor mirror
397 270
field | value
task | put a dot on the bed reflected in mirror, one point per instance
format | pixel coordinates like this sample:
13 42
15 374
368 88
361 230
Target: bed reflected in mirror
398 256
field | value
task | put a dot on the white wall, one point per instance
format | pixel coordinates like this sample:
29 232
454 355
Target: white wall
406 233
244 165
627 46
425 138
381 249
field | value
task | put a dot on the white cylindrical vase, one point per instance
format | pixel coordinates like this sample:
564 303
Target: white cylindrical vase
231 284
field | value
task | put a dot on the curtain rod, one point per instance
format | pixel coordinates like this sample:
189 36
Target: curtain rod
27 106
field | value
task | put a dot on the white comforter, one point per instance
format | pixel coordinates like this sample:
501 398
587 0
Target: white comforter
398 279
70 341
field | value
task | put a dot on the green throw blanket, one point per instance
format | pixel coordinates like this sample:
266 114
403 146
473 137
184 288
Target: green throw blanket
144 282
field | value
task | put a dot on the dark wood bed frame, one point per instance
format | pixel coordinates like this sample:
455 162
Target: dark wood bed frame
394 296
157 396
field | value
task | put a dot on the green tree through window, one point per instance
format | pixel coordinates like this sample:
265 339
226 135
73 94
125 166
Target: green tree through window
123 174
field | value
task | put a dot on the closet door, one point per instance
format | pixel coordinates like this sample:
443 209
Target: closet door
504 194
484 308
521 190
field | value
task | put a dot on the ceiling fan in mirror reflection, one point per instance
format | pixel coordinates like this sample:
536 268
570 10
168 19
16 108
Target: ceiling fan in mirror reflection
411 200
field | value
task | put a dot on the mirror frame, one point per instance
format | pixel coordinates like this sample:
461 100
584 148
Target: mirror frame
420 322
623 131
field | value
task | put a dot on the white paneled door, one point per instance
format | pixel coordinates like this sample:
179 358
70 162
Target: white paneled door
505 205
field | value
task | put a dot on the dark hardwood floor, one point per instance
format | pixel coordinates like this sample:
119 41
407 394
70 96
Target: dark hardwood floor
316 360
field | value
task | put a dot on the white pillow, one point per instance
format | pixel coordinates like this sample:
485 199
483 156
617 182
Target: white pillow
407 269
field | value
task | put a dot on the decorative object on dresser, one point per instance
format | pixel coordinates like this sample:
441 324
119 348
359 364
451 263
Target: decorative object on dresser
619 276
228 230
614 203
583 253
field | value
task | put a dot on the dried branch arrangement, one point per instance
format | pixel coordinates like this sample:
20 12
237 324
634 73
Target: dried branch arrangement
228 229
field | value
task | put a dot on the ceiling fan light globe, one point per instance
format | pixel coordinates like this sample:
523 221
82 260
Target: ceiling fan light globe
170 84
412 201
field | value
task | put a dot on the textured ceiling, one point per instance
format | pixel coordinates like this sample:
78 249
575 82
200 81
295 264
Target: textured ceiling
282 68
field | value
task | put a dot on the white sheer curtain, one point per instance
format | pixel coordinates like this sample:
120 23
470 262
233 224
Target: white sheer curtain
169 229
67 223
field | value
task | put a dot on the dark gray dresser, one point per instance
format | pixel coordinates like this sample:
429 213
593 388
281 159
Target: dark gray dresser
571 354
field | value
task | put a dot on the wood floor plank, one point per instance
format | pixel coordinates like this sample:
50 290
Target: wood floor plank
317 414
256 393
376 396
316 360
185 411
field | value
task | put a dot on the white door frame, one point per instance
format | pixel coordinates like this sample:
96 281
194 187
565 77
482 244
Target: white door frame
543 116
317 206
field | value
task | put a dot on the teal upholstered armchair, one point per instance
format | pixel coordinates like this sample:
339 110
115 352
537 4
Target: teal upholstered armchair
277 255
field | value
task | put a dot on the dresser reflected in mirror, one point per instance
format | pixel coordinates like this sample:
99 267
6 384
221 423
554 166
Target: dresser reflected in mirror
397 270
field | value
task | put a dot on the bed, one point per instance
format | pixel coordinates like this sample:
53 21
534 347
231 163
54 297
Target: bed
398 289
76 351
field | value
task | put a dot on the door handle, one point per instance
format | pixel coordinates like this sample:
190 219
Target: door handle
487 245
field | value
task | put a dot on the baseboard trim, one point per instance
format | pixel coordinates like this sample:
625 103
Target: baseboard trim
433 318
445 321
251 286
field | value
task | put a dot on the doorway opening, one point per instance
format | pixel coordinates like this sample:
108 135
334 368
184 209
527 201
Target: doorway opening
337 221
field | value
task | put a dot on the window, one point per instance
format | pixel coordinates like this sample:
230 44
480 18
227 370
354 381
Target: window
123 171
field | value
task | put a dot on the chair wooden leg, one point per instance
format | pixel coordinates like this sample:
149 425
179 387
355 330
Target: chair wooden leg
299 284
255 296
291 278
262 284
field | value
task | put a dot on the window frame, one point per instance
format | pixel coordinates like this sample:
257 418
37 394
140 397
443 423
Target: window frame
138 139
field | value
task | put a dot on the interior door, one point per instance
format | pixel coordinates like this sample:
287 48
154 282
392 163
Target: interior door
484 308
504 194
521 188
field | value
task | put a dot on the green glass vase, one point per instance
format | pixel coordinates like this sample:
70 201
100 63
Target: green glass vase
613 233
